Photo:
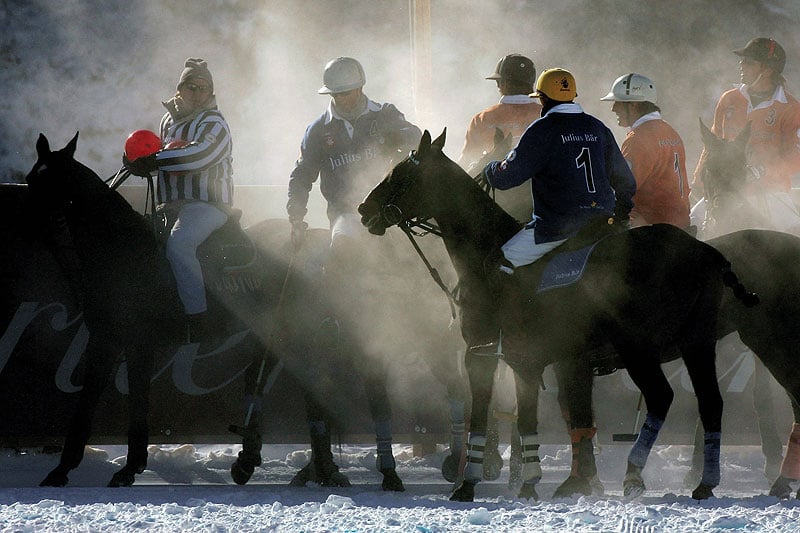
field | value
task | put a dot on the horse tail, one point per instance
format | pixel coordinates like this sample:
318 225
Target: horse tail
730 279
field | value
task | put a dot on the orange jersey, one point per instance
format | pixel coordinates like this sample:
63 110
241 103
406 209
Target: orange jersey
513 115
657 158
775 125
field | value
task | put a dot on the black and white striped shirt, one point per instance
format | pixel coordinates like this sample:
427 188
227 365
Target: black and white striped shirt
201 170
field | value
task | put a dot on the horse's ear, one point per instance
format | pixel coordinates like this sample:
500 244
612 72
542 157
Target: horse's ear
439 141
72 145
42 145
707 135
424 143
499 136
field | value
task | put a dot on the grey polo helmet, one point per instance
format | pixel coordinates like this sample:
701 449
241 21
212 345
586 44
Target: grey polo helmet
341 75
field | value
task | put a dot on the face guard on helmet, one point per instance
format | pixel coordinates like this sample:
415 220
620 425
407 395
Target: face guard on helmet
632 88
557 84
341 75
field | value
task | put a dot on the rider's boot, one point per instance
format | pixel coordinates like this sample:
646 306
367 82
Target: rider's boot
196 327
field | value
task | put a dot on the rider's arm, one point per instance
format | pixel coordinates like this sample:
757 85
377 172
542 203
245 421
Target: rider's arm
305 173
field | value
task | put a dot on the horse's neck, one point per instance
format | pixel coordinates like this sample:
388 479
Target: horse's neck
473 226
102 218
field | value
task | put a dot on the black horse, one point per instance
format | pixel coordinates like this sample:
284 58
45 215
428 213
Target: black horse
766 260
111 257
644 292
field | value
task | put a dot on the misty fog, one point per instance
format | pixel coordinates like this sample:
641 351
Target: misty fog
103 67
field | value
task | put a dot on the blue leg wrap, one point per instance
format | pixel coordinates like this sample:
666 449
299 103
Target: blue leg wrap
711 450
647 437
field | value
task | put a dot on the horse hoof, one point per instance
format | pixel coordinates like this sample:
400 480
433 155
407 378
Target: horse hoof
692 478
336 479
492 465
632 490
781 488
450 468
573 485
241 471
244 466
633 485
703 492
306 474
123 478
464 493
391 481
772 468
55 479
597 486
528 492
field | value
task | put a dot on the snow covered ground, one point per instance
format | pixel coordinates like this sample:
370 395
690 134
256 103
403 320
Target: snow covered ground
188 488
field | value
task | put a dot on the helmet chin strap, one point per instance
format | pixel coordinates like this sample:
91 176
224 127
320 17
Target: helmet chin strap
758 79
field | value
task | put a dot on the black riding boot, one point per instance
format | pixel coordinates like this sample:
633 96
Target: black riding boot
196 327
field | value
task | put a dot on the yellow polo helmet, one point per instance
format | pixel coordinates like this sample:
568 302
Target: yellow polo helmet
557 84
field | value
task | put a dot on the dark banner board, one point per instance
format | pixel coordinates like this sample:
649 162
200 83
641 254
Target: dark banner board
196 395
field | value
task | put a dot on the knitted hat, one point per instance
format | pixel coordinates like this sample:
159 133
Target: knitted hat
196 68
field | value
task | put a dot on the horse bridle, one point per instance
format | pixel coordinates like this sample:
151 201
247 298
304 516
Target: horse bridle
393 216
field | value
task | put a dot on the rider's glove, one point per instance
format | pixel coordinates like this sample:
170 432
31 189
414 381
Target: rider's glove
141 166
482 179
299 227
621 223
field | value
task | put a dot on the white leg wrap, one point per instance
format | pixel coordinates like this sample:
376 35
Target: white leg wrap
531 466
473 470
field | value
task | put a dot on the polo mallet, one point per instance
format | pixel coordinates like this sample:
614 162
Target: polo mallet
632 436
245 431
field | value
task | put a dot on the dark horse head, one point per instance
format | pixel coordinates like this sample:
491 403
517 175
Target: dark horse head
85 219
412 193
725 175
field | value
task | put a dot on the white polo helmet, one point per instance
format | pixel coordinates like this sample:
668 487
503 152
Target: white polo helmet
342 74
632 88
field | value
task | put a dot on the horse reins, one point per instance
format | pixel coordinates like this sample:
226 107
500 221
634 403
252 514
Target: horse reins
408 228
119 178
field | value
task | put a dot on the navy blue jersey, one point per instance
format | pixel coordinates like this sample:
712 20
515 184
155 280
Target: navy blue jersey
576 170
349 158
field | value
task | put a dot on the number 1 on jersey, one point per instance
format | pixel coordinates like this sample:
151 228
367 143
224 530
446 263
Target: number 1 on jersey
584 160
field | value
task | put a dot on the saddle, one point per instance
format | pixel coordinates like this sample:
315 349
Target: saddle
566 264
228 256
563 267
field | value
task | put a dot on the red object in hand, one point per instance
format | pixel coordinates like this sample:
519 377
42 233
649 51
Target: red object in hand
141 143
